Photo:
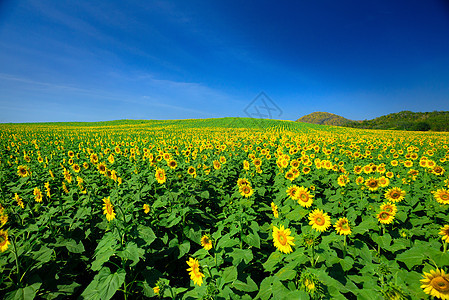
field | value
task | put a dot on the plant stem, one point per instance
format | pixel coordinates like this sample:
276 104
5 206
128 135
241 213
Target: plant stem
444 247
16 258
344 247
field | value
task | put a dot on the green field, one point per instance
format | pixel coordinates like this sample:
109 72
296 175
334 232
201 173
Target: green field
222 209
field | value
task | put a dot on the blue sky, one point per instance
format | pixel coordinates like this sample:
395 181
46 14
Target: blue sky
107 59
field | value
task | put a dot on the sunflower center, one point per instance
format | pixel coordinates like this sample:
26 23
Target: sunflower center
445 197
109 209
319 221
395 195
282 239
304 197
373 183
440 283
344 226
384 215
2 240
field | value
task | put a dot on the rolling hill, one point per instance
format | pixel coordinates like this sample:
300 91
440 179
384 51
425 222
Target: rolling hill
404 120
324 118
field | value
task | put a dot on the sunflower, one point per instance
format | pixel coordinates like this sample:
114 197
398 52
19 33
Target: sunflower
342 226
76 168
445 233
245 165
342 180
246 190
23 171
385 217
242 181
206 242
372 184
257 162
102 168
292 192
160 175
395 194
319 220
436 283
383 181
146 208
94 158
437 170
108 209
37 195
192 171
194 271
274 208
289 175
19 200
217 165
303 196
389 208
4 241
172 164
442 196
282 239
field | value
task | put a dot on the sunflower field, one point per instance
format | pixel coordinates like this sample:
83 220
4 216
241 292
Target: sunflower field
222 209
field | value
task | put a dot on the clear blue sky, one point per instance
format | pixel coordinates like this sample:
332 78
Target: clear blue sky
108 59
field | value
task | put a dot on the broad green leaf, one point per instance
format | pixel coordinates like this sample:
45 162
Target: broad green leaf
26 293
146 234
249 286
229 274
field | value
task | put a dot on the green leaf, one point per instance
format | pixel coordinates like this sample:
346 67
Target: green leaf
105 249
286 274
132 252
204 195
74 247
266 289
183 248
26 293
412 257
146 234
249 286
274 258
229 274
104 285
253 239
241 254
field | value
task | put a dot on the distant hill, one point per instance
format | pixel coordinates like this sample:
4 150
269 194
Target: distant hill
407 120
324 118
404 120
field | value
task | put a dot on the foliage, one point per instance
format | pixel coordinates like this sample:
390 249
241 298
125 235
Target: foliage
117 209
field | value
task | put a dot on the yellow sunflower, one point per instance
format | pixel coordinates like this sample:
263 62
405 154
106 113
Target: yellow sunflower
19 200
146 208
274 208
242 181
383 181
389 208
292 192
160 175
342 226
192 171
442 196
436 283
108 209
194 271
4 241
172 164
206 242
372 184
23 171
282 239
303 196
37 195
445 233
246 190
395 194
245 165
385 217
319 220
